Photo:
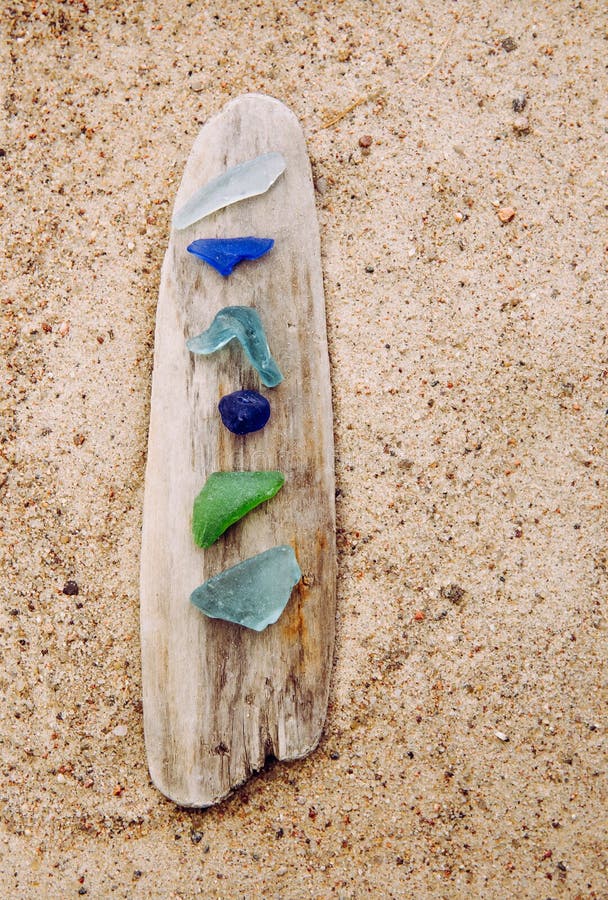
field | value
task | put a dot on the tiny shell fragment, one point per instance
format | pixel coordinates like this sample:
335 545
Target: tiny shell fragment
506 213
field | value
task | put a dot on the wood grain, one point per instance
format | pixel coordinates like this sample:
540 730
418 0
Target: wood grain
219 699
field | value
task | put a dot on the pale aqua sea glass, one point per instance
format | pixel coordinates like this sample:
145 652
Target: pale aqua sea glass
253 593
248 179
244 324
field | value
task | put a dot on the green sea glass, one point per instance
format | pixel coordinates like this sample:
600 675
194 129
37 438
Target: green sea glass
253 593
244 324
226 498
248 179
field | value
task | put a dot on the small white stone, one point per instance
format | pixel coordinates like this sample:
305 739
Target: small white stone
501 736
521 125
120 731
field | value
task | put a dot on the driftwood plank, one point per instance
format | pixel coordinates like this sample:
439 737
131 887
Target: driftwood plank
218 698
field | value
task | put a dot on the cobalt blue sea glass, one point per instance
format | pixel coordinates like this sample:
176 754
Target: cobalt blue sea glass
226 253
244 411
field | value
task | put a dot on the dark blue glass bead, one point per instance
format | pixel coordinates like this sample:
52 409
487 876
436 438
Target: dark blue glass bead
225 253
244 411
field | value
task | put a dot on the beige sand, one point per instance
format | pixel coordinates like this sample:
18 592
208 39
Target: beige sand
470 371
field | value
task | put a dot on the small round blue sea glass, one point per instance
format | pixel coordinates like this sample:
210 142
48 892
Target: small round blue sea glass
244 411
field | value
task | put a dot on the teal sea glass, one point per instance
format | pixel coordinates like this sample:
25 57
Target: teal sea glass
253 593
244 324
226 498
248 179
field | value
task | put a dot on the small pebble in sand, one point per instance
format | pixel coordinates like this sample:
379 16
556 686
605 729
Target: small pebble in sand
519 102
366 140
506 213
196 83
70 588
521 125
452 592
508 45
79 440
30 330
502 736
120 731
64 329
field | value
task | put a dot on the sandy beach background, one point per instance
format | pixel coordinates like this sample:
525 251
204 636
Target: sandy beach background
464 752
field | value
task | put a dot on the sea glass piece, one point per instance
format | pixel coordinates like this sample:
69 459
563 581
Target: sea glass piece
244 411
226 498
248 179
226 253
253 593
243 323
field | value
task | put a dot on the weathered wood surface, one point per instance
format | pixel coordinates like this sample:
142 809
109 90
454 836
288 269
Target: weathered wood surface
218 698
